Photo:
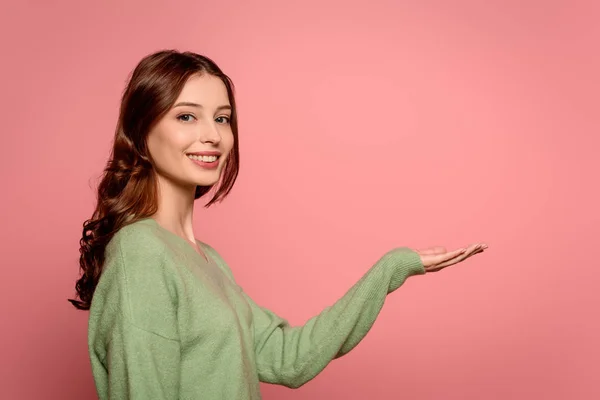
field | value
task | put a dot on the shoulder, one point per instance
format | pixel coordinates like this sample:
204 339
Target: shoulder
137 239
136 272
142 248
143 253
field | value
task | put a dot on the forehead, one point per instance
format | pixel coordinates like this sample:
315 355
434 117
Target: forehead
206 90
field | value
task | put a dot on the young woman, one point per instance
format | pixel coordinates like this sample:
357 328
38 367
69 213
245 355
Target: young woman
167 319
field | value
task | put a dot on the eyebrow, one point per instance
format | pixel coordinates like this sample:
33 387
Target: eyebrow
189 104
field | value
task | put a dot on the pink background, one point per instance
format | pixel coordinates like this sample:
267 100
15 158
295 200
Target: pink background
363 127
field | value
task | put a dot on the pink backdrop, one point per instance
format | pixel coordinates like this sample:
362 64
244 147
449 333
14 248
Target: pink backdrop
363 127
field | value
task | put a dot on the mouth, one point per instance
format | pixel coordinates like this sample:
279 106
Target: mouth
203 158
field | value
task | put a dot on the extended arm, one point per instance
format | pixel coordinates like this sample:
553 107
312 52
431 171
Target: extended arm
292 356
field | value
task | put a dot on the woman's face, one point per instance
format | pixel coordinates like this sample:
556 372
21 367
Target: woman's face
190 144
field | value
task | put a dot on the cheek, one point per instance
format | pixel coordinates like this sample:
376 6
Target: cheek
166 149
228 141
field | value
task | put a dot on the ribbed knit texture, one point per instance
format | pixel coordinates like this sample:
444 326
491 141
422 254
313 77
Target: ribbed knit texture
165 323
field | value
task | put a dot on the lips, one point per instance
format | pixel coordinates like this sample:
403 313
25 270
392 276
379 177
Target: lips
203 158
204 153
206 159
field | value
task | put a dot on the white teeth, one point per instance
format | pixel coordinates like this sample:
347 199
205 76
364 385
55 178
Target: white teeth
203 158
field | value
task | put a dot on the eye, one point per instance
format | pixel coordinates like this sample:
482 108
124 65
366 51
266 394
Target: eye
223 119
186 117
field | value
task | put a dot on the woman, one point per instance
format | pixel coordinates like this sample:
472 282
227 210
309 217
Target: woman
167 319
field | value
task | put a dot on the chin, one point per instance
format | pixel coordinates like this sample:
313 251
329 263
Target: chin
208 179
205 176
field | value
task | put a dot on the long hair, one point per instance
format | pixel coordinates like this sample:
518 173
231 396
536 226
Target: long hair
128 189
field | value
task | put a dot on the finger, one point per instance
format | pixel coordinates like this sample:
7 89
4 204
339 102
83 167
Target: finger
456 260
470 251
430 260
474 247
459 259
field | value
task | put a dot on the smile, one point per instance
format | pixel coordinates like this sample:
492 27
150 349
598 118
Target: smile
206 159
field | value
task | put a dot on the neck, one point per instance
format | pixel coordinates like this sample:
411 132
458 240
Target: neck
176 208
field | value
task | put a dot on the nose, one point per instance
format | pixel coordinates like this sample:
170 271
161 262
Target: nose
209 133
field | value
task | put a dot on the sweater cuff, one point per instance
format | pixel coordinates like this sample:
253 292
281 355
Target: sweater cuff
403 263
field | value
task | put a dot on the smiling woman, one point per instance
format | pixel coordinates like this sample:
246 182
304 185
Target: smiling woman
195 132
167 318
175 104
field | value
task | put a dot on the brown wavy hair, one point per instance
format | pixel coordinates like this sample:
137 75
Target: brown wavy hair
128 188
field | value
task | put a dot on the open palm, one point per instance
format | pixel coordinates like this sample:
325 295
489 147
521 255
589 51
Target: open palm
437 258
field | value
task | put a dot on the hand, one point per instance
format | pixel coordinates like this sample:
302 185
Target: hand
437 258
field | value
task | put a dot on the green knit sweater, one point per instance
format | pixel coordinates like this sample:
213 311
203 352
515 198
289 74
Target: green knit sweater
165 323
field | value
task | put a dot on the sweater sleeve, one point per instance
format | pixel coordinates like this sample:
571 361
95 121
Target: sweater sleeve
292 356
141 364
133 339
